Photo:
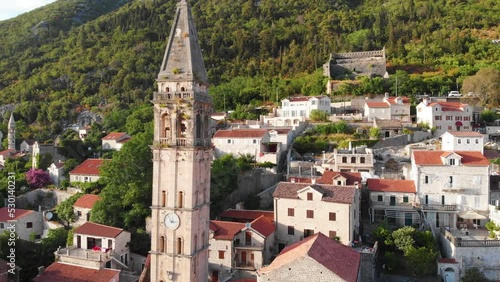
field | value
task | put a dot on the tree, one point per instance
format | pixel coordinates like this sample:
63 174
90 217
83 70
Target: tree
485 86
473 274
403 238
375 132
421 259
128 177
318 115
488 116
37 178
65 210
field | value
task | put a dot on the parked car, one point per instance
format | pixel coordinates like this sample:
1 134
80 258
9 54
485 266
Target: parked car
454 94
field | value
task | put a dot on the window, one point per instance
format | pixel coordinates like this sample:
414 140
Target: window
426 199
477 141
180 199
449 118
79 213
162 244
228 141
332 234
437 117
221 254
313 102
451 180
179 246
163 198
29 224
255 141
459 141
353 160
333 216
310 214
380 198
309 196
452 161
426 179
442 200
2 226
344 159
476 202
362 160
405 199
291 212
291 230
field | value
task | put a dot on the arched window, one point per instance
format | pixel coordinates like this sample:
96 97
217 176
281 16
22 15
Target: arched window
163 198
167 89
198 127
206 127
183 89
162 244
180 199
165 119
179 246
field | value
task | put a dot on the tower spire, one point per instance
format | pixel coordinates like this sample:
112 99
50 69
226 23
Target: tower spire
11 135
183 59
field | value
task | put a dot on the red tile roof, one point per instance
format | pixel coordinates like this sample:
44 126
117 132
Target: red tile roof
299 179
246 215
331 193
225 230
449 106
59 164
6 216
447 260
60 272
329 176
263 225
339 259
392 100
391 185
86 201
7 152
280 130
240 133
377 104
434 158
95 229
464 133
88 167
115 136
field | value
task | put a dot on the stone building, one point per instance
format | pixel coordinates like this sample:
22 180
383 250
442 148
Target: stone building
353 64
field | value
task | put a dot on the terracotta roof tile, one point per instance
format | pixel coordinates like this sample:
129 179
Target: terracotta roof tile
225 230
331 193
447 260
329 176
434 158
299 179
377 104
464 133
60 272
7 152
391 185
90 228
88 167
5 215
240 133
339 259
115 136
392 100
263 225
86 201
449 106
246 215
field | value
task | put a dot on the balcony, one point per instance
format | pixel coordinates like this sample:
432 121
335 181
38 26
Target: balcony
248 246
469 238
182 142
428 207
454 187
85 257
385 205
163 96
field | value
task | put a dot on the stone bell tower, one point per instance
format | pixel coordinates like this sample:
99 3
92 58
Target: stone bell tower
11 133
181 158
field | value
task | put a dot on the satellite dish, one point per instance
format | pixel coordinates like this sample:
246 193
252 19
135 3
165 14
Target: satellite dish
49 215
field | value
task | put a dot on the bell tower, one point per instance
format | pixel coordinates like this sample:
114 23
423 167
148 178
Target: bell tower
181 158
11 133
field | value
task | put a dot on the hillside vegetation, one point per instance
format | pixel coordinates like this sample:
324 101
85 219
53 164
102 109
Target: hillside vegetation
104 55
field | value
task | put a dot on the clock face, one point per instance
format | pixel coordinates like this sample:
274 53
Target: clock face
172 221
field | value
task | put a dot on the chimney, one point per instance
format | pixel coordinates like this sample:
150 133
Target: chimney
313 180
425 101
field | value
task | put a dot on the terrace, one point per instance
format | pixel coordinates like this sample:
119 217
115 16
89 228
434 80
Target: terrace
469 237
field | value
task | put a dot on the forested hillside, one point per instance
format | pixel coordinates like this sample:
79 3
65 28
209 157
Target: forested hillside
104 55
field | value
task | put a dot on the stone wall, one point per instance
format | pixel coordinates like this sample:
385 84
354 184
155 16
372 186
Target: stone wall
251 183
46 198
